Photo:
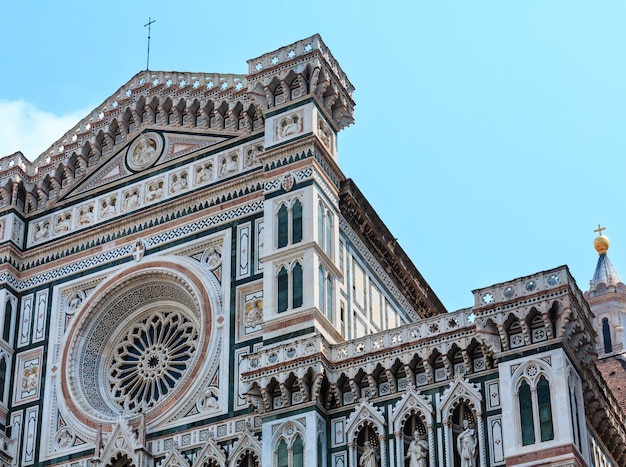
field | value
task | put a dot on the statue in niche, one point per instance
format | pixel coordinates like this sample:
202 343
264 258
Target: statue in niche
417 454
179 182
251 154
16 231
369 458
466 445
145 151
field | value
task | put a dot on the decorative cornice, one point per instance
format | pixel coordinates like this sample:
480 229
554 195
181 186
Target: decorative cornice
364 220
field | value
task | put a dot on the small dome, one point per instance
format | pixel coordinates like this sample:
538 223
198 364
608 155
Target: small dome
601 244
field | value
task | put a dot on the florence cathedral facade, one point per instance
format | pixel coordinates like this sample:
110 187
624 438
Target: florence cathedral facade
189 279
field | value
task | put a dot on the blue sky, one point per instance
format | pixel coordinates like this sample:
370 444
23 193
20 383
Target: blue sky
489 135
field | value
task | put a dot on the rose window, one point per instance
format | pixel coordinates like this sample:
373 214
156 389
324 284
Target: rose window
150 358
138 347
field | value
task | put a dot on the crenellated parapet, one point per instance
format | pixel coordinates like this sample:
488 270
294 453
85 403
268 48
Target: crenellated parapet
533 310
419 355
304 68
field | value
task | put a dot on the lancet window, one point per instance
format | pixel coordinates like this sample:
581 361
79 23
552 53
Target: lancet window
289 284
8 317
325 228
326 294
289 223
3 378
290 455
606 336
535 408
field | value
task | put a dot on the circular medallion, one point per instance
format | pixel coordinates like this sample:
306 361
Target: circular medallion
144 151
553 279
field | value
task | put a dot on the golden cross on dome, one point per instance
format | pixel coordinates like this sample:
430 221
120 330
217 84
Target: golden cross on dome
599 230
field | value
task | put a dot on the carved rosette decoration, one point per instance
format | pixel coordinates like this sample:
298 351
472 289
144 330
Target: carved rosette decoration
137 344
144 151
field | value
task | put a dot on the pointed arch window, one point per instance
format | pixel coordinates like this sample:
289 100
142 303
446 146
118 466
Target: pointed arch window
326 300
283 226
606 336
545 409
319 451
290 287
3 378
329 299
526 414
289 223
325 229
283 290
297 286
298 452
296 221
8 317
534 402
282 455
290 455
574 411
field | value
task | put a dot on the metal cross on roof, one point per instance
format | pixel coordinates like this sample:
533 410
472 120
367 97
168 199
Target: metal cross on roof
150 21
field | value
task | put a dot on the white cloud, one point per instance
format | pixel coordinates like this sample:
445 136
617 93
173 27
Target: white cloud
25 128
